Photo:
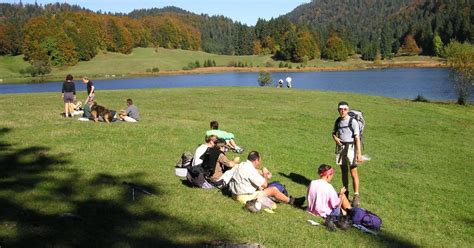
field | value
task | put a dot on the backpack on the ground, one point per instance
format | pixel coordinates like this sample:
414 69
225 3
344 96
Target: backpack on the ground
366 218
279 186
196 176
357 116
185 160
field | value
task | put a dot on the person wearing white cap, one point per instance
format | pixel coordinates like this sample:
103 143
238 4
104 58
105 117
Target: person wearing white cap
348 149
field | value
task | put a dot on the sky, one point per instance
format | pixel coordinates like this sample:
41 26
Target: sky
244 11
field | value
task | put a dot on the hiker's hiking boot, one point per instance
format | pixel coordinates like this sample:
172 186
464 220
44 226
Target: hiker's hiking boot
297 202
356 201
330 223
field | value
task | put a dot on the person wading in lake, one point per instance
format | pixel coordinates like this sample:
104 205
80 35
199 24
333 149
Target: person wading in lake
348 149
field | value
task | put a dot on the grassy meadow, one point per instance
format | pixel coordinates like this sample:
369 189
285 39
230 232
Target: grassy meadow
61 179
142 60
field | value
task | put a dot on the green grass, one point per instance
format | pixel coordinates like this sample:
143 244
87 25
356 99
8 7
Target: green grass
419 180
107 64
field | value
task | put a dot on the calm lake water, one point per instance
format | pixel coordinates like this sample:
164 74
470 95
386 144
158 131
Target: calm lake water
432 83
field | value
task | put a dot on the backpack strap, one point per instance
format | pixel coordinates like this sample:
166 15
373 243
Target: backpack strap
351 119
336 125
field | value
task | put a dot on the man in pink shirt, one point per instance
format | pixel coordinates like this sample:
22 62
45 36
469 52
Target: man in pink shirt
322 197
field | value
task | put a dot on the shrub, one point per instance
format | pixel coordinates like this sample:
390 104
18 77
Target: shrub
38 68
269 64
420 98
264 79
155 69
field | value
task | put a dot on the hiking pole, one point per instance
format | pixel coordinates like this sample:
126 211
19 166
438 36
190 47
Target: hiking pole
136 187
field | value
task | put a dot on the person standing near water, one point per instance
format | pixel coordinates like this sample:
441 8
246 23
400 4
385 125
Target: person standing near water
90 89
288 82
68 94
348 149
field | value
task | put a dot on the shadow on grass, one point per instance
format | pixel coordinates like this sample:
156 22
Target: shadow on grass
46 203
297 178
389 240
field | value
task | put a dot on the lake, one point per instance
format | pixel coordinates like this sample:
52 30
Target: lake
407 83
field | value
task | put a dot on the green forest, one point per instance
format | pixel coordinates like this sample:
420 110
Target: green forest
63 34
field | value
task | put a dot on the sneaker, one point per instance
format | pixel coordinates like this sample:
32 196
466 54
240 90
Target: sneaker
356 201
239 150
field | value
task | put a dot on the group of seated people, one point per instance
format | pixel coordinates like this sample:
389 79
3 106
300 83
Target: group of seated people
248 181
92 111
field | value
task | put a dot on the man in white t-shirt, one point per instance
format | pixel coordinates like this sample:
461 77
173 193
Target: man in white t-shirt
248 184
208 143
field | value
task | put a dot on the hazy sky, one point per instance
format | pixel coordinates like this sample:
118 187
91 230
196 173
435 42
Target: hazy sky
245 11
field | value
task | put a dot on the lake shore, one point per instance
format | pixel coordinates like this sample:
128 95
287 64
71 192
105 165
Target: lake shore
225 69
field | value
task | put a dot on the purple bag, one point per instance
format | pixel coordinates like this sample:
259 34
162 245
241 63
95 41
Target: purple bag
279 186
366 218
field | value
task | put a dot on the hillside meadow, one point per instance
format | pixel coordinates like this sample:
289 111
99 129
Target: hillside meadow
142 61
62 180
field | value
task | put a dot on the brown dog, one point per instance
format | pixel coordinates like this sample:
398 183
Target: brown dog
100 111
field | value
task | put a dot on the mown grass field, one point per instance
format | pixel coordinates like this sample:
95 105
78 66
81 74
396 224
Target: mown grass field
137 63
419 179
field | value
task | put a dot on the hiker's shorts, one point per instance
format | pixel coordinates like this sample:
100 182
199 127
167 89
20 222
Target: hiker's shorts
346 156
248 197
68 97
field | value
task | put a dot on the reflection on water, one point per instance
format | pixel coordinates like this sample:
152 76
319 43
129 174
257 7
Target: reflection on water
432 83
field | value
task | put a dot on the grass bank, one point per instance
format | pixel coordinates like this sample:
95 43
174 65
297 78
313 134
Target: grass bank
170 61
61 179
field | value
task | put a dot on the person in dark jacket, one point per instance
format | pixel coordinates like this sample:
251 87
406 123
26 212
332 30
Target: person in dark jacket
68 94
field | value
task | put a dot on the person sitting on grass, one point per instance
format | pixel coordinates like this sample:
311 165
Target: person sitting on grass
228 137
323 200
131 114
217 164
208 143
248 184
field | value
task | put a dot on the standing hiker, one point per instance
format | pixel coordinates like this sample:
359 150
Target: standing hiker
346 135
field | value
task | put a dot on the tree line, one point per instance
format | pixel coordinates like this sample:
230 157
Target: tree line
63 34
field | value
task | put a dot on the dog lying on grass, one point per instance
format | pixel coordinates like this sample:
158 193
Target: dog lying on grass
100 112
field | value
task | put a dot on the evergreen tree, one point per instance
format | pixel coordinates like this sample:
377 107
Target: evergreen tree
437 45
386 43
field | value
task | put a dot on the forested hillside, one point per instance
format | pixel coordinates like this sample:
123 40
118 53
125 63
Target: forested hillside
385 24
63 34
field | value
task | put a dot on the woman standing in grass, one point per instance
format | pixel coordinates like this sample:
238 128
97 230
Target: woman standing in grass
68 94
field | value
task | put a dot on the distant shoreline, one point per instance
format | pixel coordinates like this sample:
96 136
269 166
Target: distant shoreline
214 70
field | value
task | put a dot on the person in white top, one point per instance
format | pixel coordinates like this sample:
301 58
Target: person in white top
247 183
288 82
208 143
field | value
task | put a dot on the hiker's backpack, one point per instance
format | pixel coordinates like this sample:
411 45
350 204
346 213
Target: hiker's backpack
186 160
279 186
209 160
196 176
355 115
366 218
